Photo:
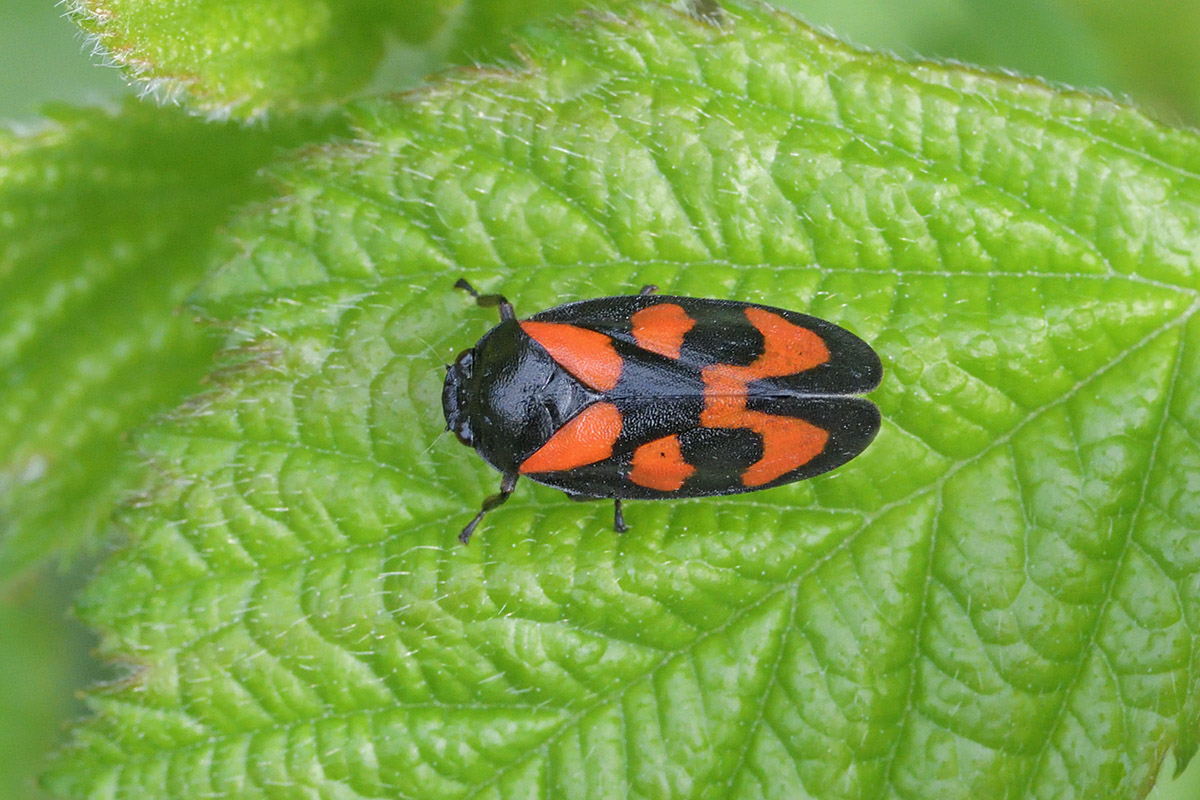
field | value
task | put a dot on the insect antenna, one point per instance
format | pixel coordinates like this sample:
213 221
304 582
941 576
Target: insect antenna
487 300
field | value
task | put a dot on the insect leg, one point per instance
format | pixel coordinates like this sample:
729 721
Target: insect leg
618 517
649 288
506 488
487 300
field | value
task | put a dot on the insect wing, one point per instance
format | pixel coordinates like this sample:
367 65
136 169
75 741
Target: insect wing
718 397
805 354
796 438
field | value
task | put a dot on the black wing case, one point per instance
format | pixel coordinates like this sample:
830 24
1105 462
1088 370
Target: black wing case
663 398
722 333
721 457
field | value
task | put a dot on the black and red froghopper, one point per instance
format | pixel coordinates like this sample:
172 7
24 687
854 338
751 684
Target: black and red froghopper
656 397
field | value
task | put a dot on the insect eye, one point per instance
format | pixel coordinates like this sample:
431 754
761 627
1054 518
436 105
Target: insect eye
464 362
463 432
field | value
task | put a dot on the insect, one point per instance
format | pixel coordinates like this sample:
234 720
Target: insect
656 397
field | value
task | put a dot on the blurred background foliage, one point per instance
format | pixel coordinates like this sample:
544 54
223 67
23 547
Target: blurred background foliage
1145 51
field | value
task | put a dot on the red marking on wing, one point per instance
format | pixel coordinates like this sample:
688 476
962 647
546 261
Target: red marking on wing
788 443
787 348
659 465
587 355
660 328
587 438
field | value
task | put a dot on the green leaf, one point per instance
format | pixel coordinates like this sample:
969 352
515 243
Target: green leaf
106 225
243 58
996 600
